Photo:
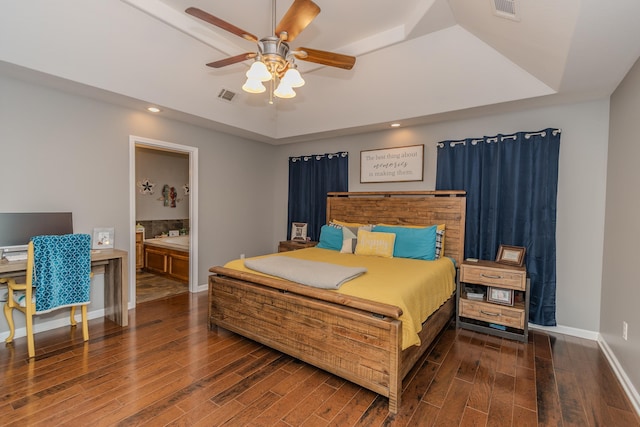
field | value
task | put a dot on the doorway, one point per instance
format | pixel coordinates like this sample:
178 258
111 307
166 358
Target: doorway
190 198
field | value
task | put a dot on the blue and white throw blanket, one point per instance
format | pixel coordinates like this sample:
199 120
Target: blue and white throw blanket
61 271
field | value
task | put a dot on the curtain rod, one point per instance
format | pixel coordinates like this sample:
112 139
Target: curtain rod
318 156
493 139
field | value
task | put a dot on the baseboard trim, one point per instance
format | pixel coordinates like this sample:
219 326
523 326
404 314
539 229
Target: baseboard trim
628 387
620 373
64 321
51 324
567 330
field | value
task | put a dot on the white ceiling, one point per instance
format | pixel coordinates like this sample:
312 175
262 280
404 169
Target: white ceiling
418 61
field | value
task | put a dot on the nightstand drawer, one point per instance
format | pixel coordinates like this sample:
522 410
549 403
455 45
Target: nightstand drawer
501 278
507 316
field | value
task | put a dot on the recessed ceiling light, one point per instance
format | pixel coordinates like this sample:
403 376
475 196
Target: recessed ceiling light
154 109
395 125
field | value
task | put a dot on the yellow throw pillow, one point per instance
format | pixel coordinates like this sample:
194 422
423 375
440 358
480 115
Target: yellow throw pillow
376 244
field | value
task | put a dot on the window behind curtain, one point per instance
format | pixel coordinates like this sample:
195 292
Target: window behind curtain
511 183
310 179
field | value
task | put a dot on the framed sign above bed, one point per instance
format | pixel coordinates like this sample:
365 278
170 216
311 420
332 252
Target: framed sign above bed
398 164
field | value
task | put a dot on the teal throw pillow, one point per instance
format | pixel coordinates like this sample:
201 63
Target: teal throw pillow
416 243
330 238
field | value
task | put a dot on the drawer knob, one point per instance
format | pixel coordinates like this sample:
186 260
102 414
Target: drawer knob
489 276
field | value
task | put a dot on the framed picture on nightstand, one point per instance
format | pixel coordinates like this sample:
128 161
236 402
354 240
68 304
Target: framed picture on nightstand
511 255
500 296
299 231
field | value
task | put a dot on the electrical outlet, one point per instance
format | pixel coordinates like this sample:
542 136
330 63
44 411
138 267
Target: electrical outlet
625 330
241 256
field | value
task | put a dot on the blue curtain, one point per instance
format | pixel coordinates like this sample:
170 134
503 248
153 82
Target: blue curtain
310 179
511 183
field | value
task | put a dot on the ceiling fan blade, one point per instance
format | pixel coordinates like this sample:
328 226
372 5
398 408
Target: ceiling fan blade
325 58
232 60
299 15
213 20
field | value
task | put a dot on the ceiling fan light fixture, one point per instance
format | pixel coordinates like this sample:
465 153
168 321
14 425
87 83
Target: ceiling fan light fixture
258 71
293 78
284 91
253 86
274 59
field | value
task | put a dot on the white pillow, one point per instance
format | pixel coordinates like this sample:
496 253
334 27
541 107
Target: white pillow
349 238
349 245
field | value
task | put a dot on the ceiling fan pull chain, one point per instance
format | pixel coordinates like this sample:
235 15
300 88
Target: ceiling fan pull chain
271 90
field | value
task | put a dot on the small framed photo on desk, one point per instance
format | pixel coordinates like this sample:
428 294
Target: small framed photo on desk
103 238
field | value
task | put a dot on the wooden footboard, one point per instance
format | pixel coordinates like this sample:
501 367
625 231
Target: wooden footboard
348 342
357 344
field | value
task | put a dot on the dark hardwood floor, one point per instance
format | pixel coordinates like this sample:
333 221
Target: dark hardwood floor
167 368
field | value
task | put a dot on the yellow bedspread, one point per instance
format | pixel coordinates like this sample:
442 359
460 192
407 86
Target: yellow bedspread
418 287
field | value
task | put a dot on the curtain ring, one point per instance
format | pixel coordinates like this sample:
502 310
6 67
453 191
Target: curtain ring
541 133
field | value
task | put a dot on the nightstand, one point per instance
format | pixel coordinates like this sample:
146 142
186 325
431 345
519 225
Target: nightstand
493 298
293 245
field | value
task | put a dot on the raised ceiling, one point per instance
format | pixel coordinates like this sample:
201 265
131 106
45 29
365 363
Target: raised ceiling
418 61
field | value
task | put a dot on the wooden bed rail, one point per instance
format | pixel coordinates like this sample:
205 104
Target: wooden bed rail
373 307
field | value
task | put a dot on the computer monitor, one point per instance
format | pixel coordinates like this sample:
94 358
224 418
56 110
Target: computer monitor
16 229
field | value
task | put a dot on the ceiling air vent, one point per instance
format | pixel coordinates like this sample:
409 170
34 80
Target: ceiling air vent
505 9
226 95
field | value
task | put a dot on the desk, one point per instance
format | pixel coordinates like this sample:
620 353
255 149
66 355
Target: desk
114 262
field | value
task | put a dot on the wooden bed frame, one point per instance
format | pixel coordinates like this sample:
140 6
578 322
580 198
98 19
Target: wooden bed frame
356 339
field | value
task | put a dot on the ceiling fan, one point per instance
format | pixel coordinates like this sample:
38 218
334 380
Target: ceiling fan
274 59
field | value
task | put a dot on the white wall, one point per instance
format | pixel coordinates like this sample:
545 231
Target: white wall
76 152
620 289
581 192
161 168
65 152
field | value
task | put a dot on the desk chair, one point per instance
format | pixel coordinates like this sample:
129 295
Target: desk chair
58 275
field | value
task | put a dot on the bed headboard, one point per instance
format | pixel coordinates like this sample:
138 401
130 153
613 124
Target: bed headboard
405 208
